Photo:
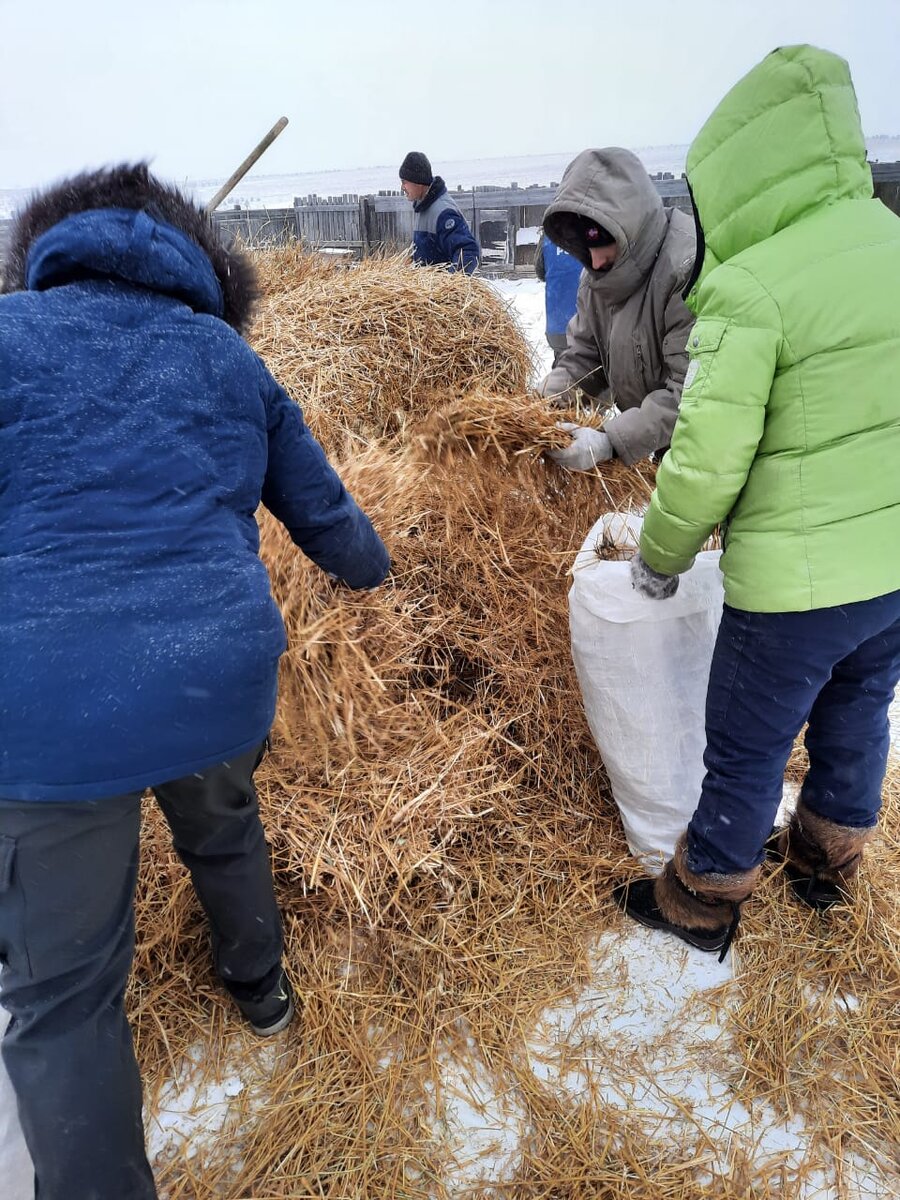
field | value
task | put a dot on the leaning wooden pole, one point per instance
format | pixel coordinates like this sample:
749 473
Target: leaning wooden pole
235 179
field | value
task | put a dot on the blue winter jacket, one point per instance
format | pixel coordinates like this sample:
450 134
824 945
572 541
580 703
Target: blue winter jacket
562 273
139 641
440 232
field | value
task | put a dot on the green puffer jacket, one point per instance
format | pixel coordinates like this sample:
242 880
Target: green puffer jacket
789 426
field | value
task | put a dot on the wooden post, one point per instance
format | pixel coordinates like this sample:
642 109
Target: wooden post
245 166
364 224
512 229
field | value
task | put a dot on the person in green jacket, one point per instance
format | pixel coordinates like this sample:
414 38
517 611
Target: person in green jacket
789 437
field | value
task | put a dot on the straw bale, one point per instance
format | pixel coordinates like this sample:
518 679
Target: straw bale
363 349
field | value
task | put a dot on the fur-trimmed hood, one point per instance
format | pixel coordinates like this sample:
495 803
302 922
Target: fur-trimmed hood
123 224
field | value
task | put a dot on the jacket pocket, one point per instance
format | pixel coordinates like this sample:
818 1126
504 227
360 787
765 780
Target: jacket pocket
13 949
703 342
7 855
706 336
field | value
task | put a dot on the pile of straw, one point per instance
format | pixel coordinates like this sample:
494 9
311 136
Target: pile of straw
412 712
818 1012
368 348
442 834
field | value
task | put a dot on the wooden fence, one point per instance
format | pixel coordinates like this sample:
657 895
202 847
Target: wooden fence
499 217
358 225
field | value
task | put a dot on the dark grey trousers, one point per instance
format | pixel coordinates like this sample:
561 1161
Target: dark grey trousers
67 879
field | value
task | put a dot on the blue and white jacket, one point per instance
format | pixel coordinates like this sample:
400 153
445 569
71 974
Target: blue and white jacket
440 232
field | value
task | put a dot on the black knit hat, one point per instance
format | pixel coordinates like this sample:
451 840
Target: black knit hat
416 168
593 233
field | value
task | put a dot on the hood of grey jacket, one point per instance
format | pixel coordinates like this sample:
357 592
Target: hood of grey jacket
611 187
634 345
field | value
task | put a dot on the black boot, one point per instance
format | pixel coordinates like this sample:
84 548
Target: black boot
821 859
268 1004
702 910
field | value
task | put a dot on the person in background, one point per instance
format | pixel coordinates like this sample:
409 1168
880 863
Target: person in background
440 233
560 272
789 436
625 346
139 640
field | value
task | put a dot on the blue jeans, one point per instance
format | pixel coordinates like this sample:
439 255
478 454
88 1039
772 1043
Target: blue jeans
836 668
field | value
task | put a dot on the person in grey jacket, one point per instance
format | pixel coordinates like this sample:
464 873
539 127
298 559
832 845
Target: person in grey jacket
626 344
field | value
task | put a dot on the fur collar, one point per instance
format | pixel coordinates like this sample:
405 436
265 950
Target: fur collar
134 187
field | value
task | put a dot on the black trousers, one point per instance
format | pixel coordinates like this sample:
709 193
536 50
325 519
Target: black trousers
67 880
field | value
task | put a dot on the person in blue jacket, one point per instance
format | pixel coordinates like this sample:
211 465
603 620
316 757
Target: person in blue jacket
560 272
440 233
139 639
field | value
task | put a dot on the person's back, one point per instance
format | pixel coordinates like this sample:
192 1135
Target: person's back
134 427
560 273
833 413
139 641
135 438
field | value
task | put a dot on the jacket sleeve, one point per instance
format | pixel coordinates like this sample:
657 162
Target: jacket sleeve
456 243
304 492
734 349
418 258
639 431
539 269
580 363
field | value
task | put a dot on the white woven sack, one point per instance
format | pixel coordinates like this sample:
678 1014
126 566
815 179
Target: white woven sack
643 666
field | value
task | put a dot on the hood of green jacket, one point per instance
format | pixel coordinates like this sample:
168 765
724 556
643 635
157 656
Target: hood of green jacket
785 141
611 187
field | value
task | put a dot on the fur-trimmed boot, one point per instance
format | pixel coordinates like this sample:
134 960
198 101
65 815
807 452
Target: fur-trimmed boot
821 859
703 910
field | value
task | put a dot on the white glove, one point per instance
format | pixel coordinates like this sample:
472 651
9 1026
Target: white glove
589 447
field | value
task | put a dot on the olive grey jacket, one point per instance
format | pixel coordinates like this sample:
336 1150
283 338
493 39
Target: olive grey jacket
626 342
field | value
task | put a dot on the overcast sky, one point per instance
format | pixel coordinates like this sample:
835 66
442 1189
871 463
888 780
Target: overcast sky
193 84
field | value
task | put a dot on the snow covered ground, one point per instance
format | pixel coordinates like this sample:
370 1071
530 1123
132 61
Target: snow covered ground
525 297
638 1038
643 1006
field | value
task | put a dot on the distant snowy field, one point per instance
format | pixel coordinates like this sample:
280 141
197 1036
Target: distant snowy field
278 191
